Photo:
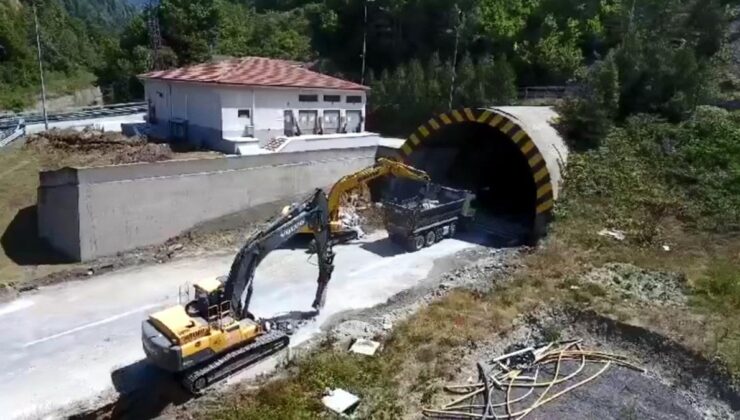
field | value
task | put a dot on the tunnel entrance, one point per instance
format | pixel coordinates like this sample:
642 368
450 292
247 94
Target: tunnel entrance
489 154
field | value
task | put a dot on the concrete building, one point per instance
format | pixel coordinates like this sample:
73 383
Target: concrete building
251 101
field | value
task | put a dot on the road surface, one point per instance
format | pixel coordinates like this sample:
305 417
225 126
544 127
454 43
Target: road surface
63 343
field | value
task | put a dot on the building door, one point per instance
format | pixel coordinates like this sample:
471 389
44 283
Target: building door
331 122
244 116
307 121
354 121
288 123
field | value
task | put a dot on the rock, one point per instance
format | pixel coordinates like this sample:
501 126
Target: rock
174 248
387 324
354 329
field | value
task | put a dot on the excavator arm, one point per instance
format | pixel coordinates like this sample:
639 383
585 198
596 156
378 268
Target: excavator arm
382 167
312 213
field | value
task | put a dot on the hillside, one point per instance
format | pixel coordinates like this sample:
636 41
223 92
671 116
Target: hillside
70 47
108 14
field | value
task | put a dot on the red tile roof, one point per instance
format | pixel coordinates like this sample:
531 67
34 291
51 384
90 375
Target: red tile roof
254 71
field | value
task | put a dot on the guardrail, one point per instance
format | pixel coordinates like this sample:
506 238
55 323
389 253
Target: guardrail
546 92
10 120
8 136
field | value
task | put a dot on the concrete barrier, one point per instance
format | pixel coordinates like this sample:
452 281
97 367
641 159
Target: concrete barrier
87 213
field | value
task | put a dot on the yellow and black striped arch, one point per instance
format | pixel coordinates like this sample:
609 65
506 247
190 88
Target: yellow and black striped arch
509 128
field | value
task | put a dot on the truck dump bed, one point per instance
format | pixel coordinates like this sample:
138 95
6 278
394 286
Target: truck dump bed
437 210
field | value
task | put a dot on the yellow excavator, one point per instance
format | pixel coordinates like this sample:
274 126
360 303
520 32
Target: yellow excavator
339 191
214 335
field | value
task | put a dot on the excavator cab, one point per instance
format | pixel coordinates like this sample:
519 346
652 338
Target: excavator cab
209 301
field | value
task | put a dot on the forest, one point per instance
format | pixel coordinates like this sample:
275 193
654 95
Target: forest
629 56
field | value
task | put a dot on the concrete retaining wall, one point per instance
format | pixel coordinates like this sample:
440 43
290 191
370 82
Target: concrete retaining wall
87 213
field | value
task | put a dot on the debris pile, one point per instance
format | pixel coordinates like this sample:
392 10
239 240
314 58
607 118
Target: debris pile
513 385
96 147
90 147
358 212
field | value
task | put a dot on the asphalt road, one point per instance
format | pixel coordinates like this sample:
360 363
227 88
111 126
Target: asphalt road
63 343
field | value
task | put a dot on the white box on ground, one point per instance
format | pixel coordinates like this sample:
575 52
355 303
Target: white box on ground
366 347
339 401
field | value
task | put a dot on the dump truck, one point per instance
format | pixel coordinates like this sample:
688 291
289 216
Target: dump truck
427 218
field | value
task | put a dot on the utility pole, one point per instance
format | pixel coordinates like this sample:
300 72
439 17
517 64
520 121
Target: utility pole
460 20
155 37
364 45
41 66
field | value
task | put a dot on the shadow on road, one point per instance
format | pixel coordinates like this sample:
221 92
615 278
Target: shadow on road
22 244
145 392
383 248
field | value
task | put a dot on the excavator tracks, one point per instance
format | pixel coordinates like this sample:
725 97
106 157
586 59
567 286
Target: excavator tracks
201 377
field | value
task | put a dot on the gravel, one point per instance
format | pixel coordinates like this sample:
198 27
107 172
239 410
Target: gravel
476 270
646 285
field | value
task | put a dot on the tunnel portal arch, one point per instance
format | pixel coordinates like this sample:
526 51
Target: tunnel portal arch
492 143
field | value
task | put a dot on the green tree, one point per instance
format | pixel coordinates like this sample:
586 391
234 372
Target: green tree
588 118
190 28
505 18
499 80
466 92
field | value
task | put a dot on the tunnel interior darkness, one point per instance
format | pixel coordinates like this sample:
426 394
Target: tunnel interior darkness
482 159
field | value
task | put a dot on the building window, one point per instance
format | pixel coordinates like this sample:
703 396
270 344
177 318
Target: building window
332 98
244 113
354 99
308 98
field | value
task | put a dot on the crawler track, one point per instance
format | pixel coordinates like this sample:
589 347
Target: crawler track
201 377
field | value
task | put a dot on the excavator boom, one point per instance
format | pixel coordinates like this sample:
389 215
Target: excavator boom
382 167
312 213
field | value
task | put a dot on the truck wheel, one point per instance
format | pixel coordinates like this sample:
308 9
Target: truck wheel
440 234
416 243
431 238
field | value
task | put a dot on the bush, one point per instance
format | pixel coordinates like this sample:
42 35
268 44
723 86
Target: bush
587 119
720 287
651 170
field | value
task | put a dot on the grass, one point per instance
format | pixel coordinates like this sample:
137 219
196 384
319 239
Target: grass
299 397
18 183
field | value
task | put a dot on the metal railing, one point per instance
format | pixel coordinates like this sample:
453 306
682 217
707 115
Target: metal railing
12 134
10 120
548 92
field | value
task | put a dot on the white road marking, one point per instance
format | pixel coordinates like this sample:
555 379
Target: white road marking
16 306
92 324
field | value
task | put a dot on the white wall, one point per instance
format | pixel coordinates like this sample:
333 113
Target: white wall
200 105
232 100
271 103
212 111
